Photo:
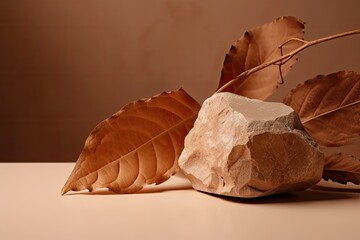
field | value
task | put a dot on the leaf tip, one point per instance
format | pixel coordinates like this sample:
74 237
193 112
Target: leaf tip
63 191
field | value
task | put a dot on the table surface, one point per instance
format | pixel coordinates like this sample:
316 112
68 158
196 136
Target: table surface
32 208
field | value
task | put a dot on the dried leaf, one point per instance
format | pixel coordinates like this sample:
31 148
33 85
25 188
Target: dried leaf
257 46
342 168
329 107
138 145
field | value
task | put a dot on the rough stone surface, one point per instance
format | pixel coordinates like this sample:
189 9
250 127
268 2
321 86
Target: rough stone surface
249 148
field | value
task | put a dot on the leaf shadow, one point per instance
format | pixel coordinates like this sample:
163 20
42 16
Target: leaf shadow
146 190
158 189
315 193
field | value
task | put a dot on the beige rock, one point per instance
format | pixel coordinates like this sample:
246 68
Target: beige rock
249 148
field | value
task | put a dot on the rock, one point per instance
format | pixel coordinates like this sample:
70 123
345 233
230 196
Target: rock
249 148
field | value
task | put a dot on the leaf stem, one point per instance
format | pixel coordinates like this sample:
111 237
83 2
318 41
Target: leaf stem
288 56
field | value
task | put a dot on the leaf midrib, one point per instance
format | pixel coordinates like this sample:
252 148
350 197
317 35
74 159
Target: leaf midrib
329 112
151 139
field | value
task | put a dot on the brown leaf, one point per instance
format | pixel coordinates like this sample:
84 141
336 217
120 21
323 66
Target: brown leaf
138 145
257 46
342 168
329 107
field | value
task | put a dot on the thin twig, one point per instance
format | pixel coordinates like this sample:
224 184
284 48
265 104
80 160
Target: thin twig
291 40
281 62
282 53
281 75
287 56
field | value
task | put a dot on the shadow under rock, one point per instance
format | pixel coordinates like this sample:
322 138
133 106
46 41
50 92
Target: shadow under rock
336 189
310 195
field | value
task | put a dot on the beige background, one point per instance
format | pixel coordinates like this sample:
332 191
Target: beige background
67 64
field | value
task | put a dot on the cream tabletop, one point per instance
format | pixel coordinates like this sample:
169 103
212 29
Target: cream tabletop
32 208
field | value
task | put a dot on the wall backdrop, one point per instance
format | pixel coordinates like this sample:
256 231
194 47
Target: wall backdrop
66 65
